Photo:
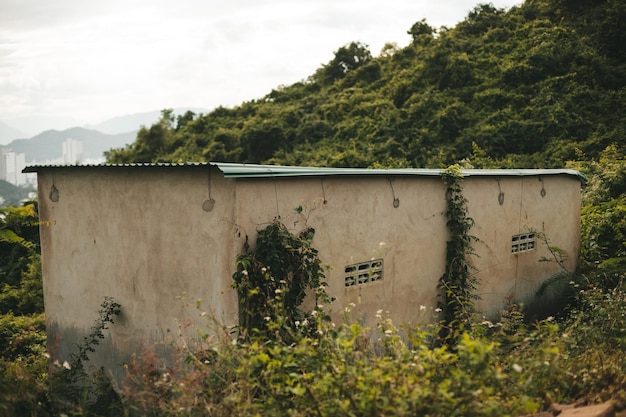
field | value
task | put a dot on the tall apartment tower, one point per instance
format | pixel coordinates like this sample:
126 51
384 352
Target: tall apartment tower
11 166
72 152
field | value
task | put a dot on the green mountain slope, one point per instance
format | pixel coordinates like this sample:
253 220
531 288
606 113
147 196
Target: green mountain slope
532 86
10 194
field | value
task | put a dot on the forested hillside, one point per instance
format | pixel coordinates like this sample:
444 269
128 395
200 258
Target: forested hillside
533 86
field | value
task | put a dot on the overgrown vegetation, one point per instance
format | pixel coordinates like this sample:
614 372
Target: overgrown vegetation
273 280
541 85
528 87
458 283
73 389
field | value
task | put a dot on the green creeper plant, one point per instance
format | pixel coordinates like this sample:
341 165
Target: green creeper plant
458 283
272 280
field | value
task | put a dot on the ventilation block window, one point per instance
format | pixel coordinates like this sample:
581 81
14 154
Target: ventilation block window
523 242
363 272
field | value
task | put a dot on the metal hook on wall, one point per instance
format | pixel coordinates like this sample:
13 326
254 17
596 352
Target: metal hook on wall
501 194
543 189
396 201
210 203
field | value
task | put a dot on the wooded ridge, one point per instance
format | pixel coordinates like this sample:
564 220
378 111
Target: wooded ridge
534 86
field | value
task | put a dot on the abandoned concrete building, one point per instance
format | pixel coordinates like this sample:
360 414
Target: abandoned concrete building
154 235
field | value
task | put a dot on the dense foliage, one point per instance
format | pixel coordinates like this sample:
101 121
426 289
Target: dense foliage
273 280
529 87
23 362
20 266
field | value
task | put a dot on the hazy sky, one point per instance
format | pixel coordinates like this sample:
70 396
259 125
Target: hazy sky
73 62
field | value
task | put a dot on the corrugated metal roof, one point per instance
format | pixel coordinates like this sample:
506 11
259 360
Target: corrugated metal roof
234 170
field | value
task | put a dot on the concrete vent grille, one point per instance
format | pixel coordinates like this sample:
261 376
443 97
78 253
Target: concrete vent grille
363 272
523 242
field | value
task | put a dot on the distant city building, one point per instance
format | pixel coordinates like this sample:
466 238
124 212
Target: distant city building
11 166
72 152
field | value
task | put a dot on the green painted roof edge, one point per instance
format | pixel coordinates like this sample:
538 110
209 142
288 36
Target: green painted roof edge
232 170
237 170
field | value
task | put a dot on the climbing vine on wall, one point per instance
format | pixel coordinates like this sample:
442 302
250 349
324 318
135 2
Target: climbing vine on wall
272 280
458 283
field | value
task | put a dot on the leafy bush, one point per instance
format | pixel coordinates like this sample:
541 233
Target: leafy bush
23 365
272 280
508 368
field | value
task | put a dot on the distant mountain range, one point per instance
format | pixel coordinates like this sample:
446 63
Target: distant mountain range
10 195
9 133
113 133
48 146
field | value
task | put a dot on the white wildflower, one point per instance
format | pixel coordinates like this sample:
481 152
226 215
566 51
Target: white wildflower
422 308
66 365
517 368
438 310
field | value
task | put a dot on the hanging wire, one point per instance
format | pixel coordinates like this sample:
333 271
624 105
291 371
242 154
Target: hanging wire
323 191
501 195
396 201
210 203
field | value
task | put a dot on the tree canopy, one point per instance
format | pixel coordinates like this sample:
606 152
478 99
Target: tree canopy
529 87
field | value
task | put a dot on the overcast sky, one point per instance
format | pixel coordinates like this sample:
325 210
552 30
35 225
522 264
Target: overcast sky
74 62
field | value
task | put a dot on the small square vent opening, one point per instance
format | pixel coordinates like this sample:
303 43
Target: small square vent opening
363 273
523 242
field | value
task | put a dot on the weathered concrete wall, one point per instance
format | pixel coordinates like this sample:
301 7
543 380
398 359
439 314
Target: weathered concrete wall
358 223
515 277
141 236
